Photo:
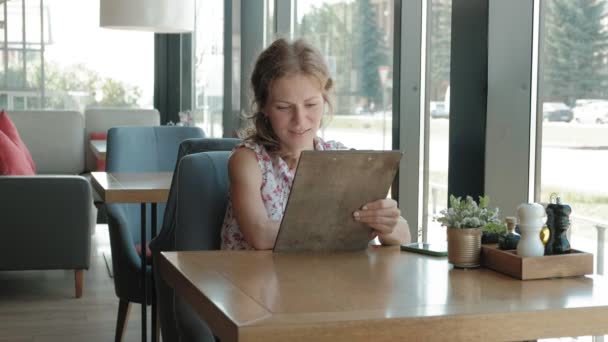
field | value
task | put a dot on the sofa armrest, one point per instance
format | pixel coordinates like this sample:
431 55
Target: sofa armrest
45 222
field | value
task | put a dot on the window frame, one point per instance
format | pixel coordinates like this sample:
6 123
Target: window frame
512 154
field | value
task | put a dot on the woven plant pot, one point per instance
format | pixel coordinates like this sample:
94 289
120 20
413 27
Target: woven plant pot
464 247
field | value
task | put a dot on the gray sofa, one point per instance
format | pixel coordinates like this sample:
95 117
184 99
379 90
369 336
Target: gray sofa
46 220
59 140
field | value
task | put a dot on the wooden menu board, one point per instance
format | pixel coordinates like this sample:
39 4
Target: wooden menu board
328 187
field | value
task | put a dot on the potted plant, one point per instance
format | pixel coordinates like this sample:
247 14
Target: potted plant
465 220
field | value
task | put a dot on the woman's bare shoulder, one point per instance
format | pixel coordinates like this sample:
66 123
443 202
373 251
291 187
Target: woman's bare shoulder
243 163
243 156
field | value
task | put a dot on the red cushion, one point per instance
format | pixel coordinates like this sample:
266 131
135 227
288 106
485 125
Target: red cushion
8 127
100 164
98 136
12 160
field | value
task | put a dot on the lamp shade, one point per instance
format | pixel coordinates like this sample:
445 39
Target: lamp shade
161 16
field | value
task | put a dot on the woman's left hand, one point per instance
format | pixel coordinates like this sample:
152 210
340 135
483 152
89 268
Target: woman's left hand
382 215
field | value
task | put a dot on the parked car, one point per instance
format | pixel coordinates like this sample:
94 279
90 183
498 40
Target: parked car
438 110
557 111
592 112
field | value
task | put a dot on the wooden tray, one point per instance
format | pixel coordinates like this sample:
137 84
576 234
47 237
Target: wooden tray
575 263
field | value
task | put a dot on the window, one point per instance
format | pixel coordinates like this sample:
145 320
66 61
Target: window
356 38
209 67
47 63
269 22
573 102
438 106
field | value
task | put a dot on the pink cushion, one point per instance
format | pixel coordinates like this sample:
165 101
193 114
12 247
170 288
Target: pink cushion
8 127
12 160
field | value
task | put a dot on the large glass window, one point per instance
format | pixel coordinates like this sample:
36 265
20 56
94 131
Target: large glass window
209 67
438 107
269 21
574 103
356 38
47 63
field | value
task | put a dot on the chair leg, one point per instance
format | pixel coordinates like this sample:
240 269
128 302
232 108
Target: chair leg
79 282
121 321
157 332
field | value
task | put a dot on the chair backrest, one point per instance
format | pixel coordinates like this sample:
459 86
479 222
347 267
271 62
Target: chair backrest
100 120
192 174
165 240
145 149
202 197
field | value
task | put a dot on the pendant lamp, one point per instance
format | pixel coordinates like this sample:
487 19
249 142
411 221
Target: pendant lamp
160 16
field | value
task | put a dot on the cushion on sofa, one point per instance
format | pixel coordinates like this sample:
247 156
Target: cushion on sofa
98 136
8 127
12 159
100 163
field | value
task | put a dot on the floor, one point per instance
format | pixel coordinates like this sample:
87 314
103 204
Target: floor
40 305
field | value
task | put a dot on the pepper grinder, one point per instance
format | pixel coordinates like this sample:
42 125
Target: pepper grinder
530 223
558 226
551 227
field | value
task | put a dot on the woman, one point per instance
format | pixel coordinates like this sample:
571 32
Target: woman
291 86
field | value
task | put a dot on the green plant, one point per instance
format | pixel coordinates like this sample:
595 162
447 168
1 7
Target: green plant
497 228
465 213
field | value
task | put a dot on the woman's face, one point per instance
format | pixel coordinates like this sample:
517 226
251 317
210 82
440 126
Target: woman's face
295 108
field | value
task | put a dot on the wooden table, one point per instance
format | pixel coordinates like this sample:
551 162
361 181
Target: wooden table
153 188
128 187
381 294
98 147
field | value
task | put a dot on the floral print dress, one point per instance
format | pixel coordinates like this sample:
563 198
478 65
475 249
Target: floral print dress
276 185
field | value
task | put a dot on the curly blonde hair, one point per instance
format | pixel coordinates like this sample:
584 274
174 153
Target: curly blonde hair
281 59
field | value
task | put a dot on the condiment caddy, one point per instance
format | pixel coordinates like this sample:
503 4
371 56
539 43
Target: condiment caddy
543 250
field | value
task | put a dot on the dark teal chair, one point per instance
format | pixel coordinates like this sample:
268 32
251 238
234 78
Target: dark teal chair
137 149
193 218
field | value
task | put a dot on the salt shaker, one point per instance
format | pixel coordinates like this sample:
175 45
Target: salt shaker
530 223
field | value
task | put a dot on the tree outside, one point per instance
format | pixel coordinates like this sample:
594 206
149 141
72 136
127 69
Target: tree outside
81 81
574 51
117 94
440 44
329 28
371 55
74 87
349 36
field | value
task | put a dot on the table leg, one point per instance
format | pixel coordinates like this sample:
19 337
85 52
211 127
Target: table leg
153 295
144 302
